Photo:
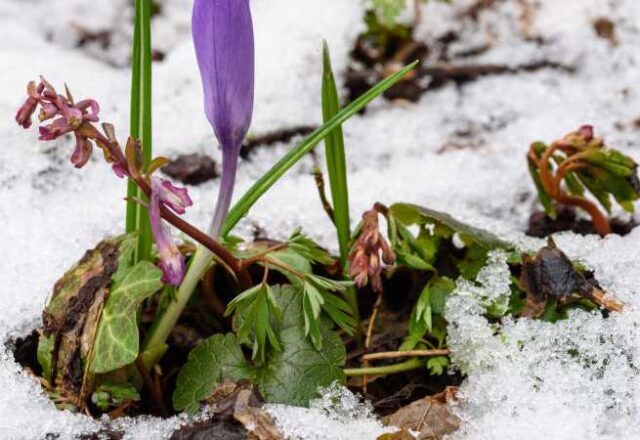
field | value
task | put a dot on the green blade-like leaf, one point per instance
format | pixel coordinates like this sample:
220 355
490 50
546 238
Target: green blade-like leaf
140 123
218 357
336 159
242 207
117 339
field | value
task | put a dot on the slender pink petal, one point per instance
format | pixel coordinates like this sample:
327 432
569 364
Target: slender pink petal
172 262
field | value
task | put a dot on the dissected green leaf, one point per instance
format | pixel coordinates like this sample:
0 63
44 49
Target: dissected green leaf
437 365
430 303
257 314
216 358
117 339
293 375
312 302
309 249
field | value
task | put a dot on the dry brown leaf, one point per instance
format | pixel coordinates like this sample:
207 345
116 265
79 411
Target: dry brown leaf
431 417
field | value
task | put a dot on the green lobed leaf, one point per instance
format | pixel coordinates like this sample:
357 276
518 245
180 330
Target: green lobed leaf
216 358
117 338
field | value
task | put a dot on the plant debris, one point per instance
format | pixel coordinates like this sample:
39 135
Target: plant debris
430 417
551 275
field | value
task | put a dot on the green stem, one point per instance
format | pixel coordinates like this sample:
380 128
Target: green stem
411 364
163 325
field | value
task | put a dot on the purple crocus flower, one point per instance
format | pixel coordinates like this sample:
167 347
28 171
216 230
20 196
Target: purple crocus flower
223 39
163 193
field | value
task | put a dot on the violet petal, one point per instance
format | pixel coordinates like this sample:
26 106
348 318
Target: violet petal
223 39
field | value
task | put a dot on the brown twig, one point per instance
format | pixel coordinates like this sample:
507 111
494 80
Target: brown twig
319 179
369 336
403 354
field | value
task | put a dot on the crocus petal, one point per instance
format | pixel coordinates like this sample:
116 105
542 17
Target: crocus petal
223 39
172 262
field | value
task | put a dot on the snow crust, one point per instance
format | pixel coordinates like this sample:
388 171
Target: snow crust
460 149
338 415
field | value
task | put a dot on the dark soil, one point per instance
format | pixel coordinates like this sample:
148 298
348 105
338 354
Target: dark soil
542 226
191 169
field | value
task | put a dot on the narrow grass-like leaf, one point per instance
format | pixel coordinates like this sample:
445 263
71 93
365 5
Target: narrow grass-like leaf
262 185
140 123
336 158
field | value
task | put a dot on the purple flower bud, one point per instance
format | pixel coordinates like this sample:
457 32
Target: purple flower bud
172 262
83 151
223 38
119 170
23 117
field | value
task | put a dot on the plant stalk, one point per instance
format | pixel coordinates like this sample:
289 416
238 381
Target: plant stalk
201 261
411 364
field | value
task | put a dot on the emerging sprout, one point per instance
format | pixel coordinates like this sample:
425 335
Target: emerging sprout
584 164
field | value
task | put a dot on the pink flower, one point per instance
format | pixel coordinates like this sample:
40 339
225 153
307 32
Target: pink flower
163 193
26 111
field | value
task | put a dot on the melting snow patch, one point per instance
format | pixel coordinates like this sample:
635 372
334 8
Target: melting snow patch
529 379
337 415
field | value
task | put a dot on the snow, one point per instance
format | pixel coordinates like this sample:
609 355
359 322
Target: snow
52 213
338 414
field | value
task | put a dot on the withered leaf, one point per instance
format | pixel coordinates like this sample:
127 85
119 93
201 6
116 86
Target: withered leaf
70 319
431 417
552 275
